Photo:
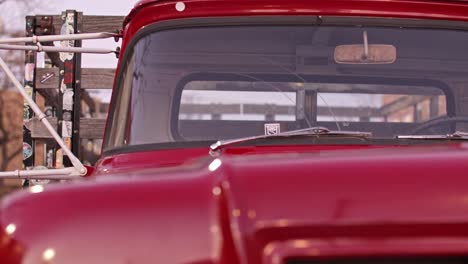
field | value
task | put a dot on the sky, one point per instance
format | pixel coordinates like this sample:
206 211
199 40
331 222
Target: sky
96 7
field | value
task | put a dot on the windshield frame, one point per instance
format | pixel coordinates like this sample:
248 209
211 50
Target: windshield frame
249 21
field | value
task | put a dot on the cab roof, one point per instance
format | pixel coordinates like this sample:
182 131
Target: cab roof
143 3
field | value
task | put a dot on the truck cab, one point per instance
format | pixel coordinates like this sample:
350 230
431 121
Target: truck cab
270 132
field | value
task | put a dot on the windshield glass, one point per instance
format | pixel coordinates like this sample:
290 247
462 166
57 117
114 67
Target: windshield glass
212 83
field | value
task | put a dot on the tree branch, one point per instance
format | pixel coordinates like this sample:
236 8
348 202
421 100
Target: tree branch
10 158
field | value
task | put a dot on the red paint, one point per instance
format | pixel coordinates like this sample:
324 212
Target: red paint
129 162
89 170
355 198
384 201
251 204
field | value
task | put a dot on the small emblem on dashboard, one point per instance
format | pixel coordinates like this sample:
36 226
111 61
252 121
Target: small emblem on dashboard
272 129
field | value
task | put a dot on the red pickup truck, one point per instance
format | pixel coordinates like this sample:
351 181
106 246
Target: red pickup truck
294 132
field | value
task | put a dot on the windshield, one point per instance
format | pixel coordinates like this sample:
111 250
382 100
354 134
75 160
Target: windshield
213 83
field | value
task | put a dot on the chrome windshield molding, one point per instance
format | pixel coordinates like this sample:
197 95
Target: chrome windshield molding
456 135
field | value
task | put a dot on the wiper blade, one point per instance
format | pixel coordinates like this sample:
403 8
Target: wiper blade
312 131
457 135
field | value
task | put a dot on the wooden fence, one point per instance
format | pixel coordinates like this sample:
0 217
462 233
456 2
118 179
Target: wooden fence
61 88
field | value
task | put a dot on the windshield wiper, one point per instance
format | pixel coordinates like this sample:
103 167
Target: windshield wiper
312 131
457 136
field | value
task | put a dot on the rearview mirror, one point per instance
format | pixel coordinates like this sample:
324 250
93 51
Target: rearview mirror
355 54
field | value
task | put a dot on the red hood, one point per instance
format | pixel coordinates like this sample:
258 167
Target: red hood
267 206
350 202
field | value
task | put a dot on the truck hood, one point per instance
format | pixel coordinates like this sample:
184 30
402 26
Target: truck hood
258 209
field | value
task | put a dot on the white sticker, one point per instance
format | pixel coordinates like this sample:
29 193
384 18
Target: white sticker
68 100
29 72
67 127
272 129
67 29
50 158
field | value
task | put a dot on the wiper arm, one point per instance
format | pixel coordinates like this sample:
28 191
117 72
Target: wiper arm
457 136
312 131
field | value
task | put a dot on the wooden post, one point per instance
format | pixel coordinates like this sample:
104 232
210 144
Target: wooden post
77 87
68 108
29 83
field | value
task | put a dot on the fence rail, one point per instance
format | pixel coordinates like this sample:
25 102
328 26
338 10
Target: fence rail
91 78
91 24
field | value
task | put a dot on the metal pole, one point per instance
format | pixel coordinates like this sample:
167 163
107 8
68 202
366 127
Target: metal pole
49 38
57 49
54 174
